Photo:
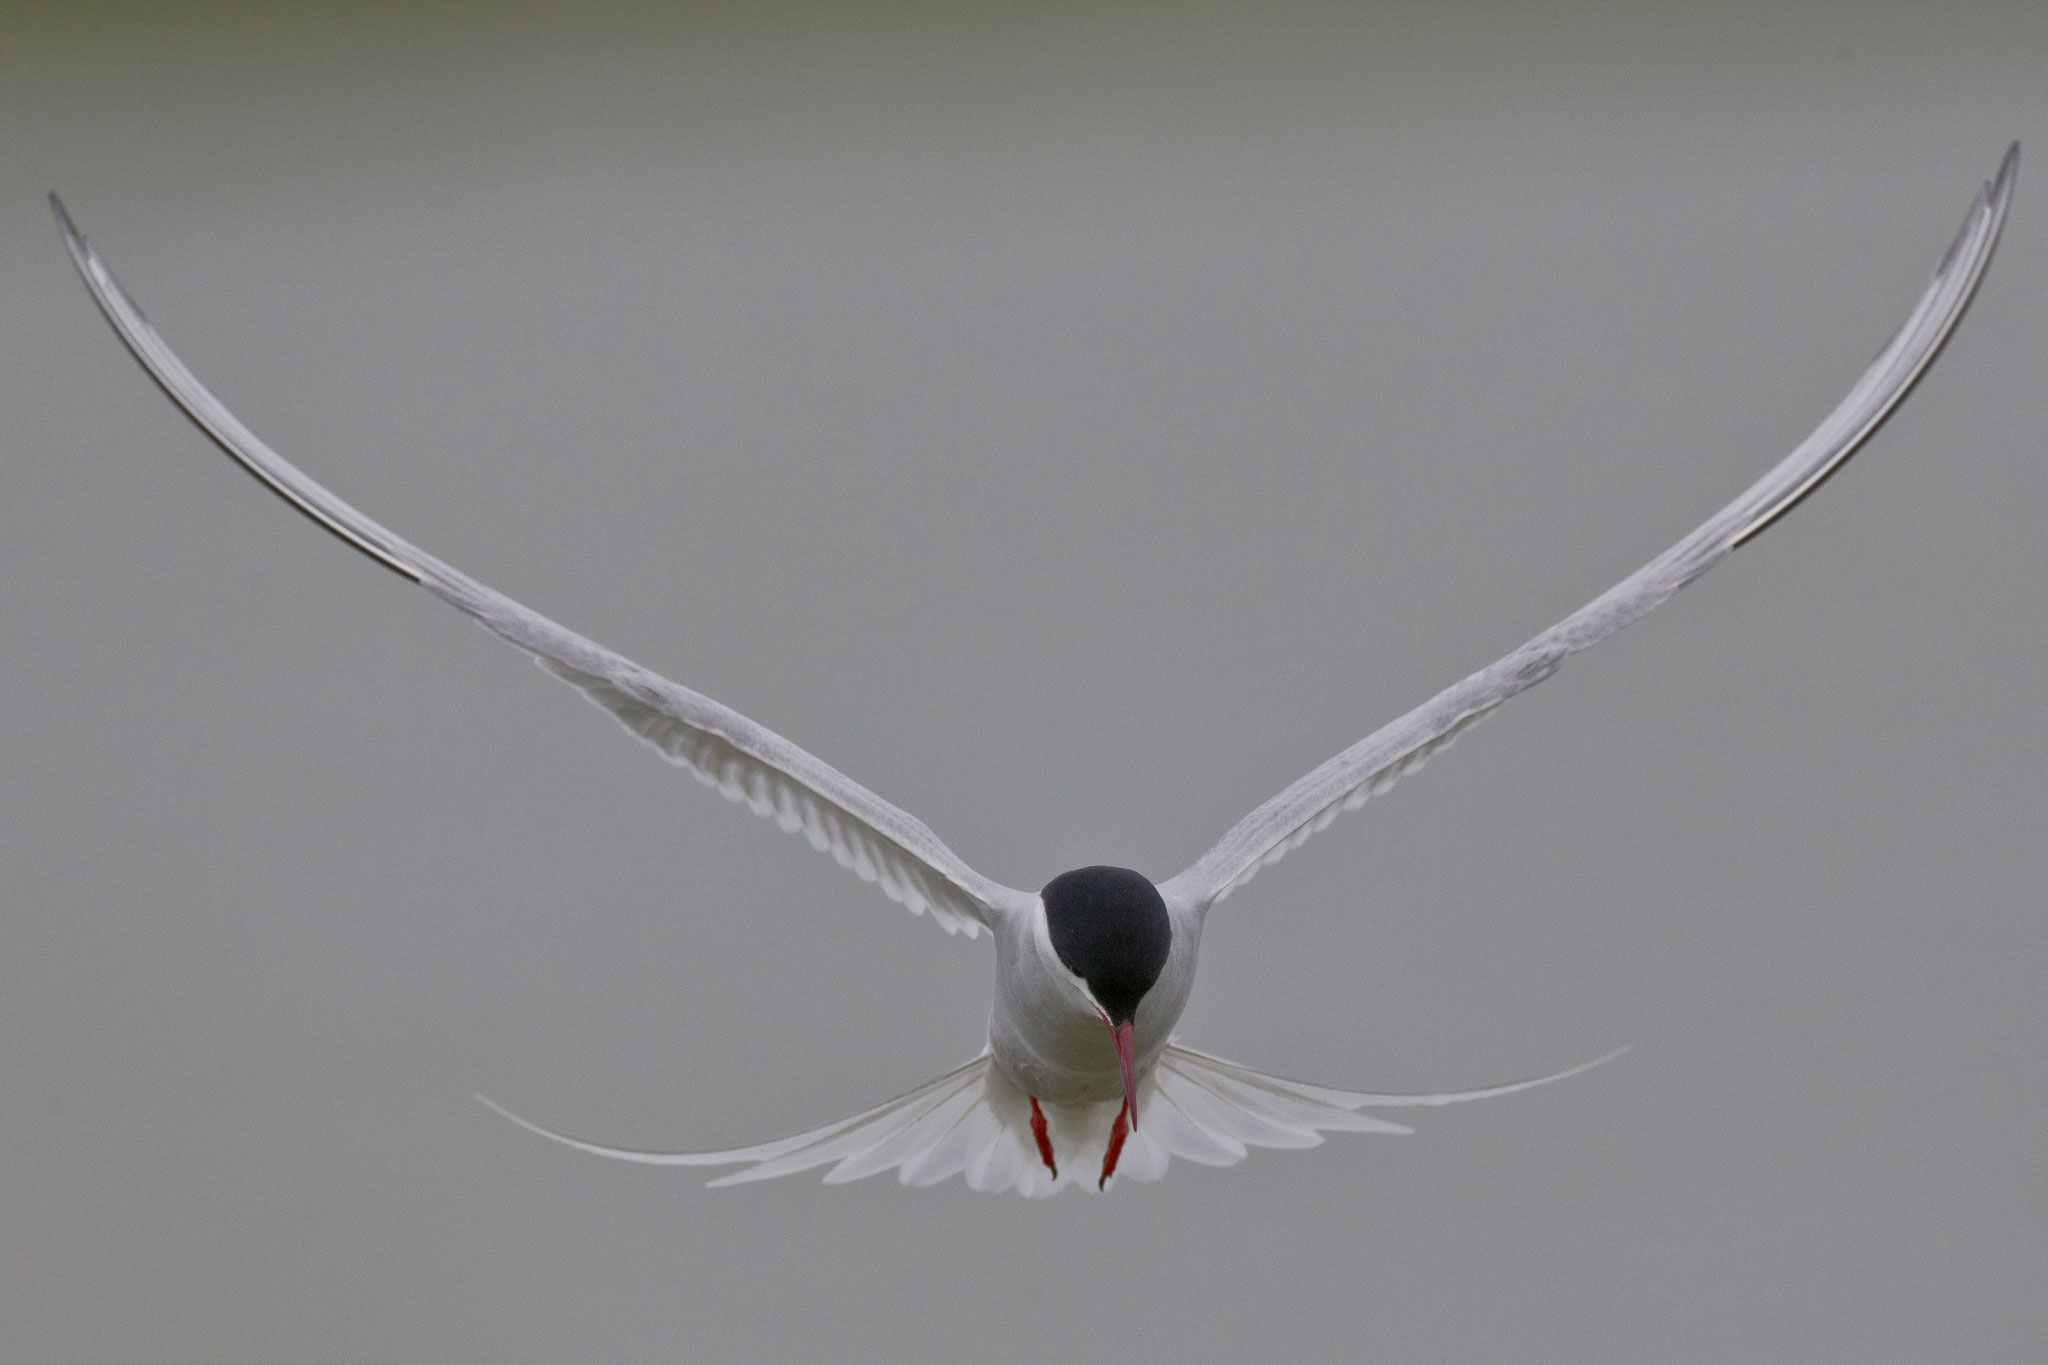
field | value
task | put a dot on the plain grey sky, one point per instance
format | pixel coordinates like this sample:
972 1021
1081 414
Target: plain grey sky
1075 424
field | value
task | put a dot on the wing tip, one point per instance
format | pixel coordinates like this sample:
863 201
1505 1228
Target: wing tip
1996 195
2008 169
1986 219
82 254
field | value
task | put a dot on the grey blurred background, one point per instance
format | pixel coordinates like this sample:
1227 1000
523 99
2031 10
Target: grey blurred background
1074 422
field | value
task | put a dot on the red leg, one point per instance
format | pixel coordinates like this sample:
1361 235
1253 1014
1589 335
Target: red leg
1038 1131
1117 1134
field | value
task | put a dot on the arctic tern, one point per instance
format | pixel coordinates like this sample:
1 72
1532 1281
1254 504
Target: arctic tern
1082 1081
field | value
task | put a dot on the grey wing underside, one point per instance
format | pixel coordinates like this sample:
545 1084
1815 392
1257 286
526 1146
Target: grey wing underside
744 761
1390 753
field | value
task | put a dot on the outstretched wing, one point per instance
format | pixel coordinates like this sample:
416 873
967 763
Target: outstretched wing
720 747
1376 762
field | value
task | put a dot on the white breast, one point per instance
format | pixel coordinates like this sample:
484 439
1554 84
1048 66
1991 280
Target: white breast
1046 1032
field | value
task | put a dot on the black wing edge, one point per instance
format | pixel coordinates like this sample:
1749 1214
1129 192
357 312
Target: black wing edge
129 322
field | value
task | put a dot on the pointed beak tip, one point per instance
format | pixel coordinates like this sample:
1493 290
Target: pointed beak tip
1127 1062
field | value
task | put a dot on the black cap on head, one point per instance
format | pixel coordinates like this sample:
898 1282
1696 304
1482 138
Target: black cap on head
1110 928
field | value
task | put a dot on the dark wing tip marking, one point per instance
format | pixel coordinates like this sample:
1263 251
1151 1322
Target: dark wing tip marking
862 832
197 402
1985 219
64 223
1370 766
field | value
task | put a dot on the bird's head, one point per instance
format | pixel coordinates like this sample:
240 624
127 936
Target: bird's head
1110 928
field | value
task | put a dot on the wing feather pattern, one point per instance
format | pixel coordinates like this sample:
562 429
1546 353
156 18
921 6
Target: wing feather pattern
1376 762
743 761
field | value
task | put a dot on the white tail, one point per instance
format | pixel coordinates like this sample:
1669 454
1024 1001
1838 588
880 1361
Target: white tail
972 1121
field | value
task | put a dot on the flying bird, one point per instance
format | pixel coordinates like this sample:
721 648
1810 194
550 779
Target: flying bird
1082 1081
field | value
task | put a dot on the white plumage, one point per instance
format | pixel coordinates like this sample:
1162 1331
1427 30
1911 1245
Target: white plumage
1057 1099
974 1121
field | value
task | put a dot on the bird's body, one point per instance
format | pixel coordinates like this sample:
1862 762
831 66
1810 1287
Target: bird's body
1097 941
1081 1080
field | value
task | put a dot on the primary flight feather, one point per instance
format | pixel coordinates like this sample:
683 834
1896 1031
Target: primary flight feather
1081 1082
